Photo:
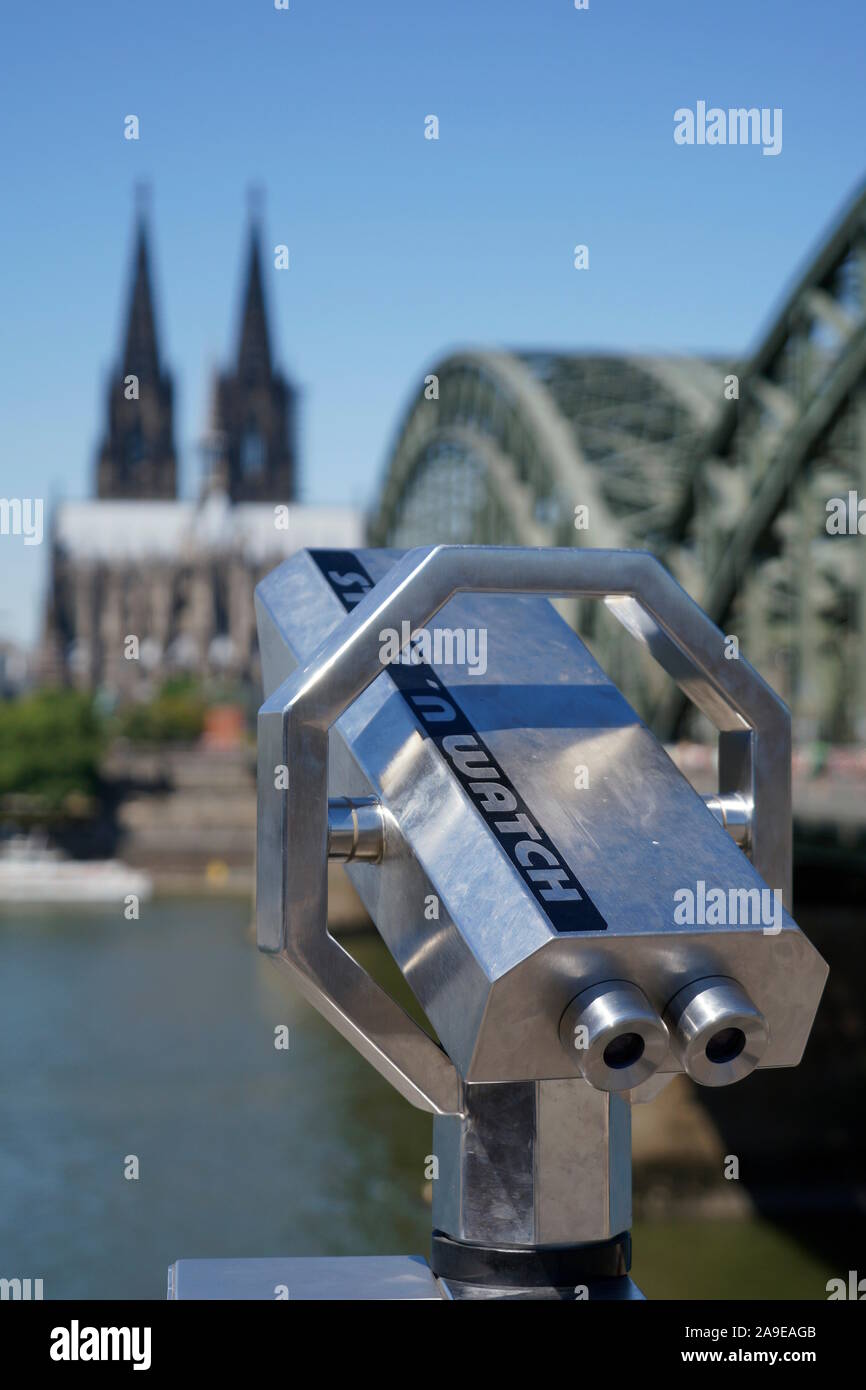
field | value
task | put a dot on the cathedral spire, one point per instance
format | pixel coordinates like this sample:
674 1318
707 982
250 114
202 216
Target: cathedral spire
137 456
254 348
254 407
140 352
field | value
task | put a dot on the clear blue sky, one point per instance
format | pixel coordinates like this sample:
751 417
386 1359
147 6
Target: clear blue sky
556 127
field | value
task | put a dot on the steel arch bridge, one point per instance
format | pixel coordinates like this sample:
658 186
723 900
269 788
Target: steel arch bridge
724 470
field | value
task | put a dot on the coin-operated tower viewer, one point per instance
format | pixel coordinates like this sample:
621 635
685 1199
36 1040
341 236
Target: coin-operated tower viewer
574 940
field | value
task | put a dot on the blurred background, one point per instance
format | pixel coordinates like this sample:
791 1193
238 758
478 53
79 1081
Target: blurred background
334 275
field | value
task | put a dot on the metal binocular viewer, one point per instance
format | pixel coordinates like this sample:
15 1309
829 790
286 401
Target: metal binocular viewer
577 923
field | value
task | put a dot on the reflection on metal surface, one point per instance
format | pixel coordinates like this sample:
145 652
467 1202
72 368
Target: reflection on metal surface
355 829
356 1277
734 812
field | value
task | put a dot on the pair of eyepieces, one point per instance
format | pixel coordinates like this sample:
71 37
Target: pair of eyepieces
619 1040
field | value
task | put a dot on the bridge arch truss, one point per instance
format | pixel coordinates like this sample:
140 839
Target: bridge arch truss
729 487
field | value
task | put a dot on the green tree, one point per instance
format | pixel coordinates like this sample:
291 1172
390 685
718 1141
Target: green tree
175 715
51 744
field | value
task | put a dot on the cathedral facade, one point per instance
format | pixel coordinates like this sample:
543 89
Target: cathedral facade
144 585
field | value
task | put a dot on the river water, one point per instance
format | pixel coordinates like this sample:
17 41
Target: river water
154 1040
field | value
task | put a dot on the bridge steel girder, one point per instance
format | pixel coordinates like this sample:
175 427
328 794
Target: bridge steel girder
567 430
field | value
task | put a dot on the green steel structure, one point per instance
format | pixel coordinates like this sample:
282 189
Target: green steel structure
724 470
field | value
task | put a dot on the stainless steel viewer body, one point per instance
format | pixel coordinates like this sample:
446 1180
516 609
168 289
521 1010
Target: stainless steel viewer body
576 922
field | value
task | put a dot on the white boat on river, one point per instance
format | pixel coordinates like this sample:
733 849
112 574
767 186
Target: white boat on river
32 873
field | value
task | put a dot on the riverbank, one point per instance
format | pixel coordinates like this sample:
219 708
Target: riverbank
187 815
